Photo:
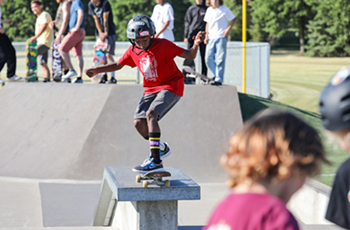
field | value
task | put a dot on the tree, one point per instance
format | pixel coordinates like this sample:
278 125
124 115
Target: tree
275 17
329 31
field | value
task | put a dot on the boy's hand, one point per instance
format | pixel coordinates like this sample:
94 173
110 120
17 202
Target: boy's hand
200 37
90 72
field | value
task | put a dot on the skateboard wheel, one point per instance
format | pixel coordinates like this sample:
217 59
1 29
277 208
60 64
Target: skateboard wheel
138 178
167 183
145 184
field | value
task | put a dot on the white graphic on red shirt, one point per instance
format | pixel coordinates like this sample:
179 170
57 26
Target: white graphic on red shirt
148 65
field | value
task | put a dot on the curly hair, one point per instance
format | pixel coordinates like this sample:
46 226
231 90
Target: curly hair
221 2
271 146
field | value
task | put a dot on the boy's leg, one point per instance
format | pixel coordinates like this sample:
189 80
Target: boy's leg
210 56
220 59
78 50
110 53
42 57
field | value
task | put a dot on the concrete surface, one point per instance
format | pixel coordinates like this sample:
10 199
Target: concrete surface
67 131
56 140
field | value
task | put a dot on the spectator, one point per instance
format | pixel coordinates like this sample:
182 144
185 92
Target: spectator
162 80
102 13
217 18
43 36
7 52
74 41
194 22
163 19
335 114
268 161
60 25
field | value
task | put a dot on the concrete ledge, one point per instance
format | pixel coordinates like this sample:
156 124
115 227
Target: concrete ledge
310 203
125 204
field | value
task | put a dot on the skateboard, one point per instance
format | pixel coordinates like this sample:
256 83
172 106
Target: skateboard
56 63
193 74
154 178
189 63
31 63
99 58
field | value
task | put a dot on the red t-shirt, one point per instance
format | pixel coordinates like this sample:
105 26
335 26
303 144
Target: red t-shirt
157 66
252 211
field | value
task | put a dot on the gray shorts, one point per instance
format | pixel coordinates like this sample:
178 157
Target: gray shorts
111 44
160 102
42 53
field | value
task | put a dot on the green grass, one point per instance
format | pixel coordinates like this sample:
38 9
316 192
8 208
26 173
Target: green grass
296 82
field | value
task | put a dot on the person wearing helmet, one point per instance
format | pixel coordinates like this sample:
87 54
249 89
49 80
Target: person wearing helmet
335 114
162 80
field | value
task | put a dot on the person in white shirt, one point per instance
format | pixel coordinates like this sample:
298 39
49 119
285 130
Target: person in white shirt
163 19
217 18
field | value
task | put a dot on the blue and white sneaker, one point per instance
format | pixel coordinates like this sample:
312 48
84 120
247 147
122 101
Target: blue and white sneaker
148 165
164 150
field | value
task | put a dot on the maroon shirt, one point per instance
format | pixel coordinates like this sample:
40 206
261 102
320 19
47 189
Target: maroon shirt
252 211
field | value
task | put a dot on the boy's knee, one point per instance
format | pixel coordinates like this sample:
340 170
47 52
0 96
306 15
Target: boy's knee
150 114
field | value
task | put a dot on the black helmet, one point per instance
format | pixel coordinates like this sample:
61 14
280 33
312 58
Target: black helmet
140 26
335 101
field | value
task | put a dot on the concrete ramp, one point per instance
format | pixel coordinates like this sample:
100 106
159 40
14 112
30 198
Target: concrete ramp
66 131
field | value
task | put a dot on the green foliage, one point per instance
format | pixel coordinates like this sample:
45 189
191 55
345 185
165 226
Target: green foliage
329 31
236 31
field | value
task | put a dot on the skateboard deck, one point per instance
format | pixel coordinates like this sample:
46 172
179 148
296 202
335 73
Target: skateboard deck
190 64
155 177
56 63
99 59
31 62
193 74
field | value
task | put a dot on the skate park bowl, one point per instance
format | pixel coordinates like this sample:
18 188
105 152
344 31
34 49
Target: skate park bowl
58 138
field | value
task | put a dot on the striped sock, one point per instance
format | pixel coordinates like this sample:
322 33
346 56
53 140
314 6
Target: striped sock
154 141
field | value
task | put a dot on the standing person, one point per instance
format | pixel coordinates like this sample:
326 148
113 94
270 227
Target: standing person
43 36
74 40
194 22
7 51
268 161
334 109
101 11
163 19
60 25
217 18
162 80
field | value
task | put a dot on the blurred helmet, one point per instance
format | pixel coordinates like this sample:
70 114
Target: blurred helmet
335 101
140 26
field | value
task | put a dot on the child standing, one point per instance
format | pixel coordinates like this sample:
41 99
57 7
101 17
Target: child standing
335 111
162 80
268 161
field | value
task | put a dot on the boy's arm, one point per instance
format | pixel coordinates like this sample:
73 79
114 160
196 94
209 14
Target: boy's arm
163 29
79 20
41 30
105 25
102 69
98 26
66 12
192 53
227 30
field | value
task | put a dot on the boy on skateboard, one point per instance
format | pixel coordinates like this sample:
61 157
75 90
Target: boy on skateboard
162 80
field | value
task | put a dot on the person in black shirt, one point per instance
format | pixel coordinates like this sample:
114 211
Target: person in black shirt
193 24
101 11
335 114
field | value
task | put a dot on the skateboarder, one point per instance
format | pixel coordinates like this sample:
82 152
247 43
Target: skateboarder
7 52
102 13
43 36
335 113
268 161
162 80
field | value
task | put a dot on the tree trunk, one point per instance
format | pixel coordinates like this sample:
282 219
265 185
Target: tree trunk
301 35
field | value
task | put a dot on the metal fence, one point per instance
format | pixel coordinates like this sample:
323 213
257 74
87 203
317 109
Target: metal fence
257 69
